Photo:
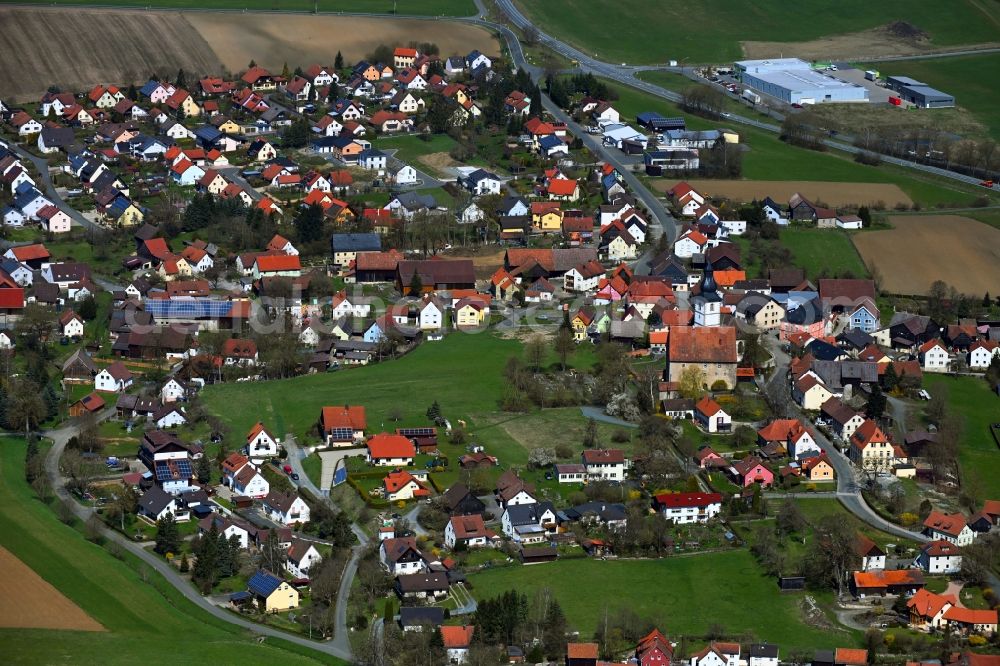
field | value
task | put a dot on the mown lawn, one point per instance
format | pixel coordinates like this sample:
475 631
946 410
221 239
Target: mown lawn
146 621
819 251
637 31
769 158
463 373
409 147
422 8
963 77
978 455
682 595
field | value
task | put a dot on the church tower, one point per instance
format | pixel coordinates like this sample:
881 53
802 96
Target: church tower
707 304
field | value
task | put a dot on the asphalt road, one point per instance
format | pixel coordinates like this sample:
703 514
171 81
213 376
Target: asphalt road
848 488
337 648
43 169
625 74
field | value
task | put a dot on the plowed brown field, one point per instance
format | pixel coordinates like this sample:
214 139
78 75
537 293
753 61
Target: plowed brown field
77 49
27 601
963 252
302 40
831 194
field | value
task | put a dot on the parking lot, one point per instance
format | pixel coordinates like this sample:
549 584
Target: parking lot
876 93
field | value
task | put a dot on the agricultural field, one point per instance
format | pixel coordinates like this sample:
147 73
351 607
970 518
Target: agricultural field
50 47
920 249
302 39
29 602
978 456
831 194
822 251
597 26
76 48
421 8
964 77
142 614
663 590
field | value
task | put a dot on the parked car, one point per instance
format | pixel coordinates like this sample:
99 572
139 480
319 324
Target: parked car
287 469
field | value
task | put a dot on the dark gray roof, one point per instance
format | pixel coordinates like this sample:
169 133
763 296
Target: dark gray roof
356 242
412 616
155 500
422 582
602 510
764 650
528 514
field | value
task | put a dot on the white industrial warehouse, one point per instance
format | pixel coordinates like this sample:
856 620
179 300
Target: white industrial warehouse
794 81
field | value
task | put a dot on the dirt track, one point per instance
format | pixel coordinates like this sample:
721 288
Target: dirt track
76 49
28 602
831 194
303 40
963 252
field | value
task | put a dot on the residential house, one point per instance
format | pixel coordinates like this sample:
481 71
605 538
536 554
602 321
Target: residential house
711 417
952 528
400 485
457 641
271 593
385 449
934 356
400 556
939 557
870 448
752 470
469 531
892 581
300 557
688 507
717 654
261 443
605 464
114 378
872 557
529 523
791 435
286 508
817 468
459 501
842 419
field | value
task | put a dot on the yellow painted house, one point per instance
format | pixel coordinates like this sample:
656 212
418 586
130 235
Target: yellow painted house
469 313
548 221
131 216
229 127
175 267
271 593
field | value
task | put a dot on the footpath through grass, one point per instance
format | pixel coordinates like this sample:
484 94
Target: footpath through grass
638 31
148 622
978 455
683 595
421 8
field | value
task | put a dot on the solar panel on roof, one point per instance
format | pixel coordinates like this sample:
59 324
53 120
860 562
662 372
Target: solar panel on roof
417 432
188 309
165 470
341 434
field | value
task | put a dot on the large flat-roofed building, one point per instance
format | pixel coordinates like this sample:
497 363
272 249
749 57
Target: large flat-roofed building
919 93
794 81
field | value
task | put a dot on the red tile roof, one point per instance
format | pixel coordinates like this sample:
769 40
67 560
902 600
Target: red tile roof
562 187
710 344
685 500
347 416
278 262
605 456
707 406
950 524
457 637
385 445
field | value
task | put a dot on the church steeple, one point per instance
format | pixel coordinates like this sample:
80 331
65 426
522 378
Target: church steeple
709 290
